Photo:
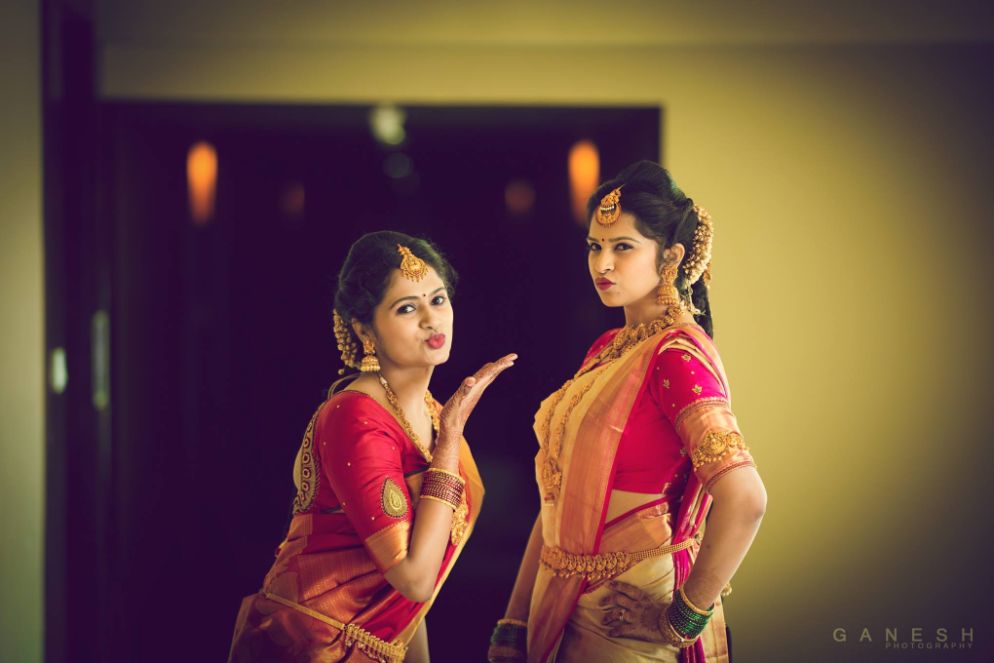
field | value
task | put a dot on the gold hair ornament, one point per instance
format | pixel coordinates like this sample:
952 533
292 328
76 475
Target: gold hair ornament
346 343
609 208
697 265
412 267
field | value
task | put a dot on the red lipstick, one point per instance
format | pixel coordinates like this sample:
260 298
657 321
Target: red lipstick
603 284
436 341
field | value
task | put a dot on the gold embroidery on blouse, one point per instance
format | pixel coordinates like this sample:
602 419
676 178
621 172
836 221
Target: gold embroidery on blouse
666 383
701 403
685 357
697 389
715 446
305 470
393 500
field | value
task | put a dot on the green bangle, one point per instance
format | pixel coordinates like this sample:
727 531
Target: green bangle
509 634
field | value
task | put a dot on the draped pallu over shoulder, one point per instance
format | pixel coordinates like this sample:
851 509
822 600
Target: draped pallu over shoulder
579 433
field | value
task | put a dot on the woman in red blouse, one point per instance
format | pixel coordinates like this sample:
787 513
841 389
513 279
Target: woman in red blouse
387 490
634 452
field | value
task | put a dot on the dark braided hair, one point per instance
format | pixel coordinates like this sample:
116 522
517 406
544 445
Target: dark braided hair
664 213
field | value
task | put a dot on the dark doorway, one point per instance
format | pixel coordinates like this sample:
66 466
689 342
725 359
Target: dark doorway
221 342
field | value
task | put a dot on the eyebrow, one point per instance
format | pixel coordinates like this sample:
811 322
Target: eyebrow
614 239
414 297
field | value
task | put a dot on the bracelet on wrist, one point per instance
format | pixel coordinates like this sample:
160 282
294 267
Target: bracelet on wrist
443 486
511 633
683 622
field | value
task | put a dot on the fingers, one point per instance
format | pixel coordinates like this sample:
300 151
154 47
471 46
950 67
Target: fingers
459 407
476 384
620 600
631 591
616 615
489 372
624 631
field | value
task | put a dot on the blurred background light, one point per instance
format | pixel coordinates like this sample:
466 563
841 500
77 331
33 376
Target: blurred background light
386 121
584 173
58 375
201 176
293 199
519 197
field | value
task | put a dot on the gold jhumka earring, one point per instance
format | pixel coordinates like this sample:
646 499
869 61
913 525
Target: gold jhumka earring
369 364
668 296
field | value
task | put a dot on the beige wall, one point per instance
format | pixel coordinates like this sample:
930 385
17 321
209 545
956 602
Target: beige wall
848 187
22 441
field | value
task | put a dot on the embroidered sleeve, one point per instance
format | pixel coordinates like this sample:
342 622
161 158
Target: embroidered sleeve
694 400
362 461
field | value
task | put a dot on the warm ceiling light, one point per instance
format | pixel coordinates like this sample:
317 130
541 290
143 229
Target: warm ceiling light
201 180
519 197
584 173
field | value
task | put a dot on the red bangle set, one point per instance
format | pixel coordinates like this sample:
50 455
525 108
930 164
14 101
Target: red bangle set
443 486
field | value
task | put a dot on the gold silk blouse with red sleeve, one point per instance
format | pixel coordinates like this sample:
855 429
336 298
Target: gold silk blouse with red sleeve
680 422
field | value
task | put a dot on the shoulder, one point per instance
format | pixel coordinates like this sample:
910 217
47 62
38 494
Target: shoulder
688 338
351 415
601 342
686 361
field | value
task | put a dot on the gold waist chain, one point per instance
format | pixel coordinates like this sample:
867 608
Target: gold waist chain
374 647
597 567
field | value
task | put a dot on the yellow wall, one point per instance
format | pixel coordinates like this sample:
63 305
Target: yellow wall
22 439
848 187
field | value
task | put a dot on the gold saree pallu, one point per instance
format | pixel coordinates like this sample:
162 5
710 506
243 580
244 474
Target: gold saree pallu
374 647
600 566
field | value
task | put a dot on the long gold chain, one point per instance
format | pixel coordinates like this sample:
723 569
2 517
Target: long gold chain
620 345
399 412
460 517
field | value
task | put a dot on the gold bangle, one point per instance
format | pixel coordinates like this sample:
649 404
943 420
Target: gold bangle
514 622
443 501
680 641
687 602
451 474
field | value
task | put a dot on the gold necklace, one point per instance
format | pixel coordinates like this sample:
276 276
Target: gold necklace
460 517
399 412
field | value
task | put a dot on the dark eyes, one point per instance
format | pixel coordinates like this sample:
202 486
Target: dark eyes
620 246
437 300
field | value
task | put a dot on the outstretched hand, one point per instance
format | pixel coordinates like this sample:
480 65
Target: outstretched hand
632 613
452 418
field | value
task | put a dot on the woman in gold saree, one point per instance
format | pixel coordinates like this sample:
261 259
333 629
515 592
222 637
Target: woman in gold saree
387 490
635 452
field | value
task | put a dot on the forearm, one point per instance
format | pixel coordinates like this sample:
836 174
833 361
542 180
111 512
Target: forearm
739 505
415 575
518 605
